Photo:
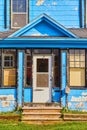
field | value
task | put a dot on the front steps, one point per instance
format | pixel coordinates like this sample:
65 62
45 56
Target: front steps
41 114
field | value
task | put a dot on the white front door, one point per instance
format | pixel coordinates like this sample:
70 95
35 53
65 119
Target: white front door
42 78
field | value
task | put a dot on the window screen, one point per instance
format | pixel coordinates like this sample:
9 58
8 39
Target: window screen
19 5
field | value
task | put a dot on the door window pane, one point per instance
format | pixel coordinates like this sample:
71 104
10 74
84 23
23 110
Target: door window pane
42 65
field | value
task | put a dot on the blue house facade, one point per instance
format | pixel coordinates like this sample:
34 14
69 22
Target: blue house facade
43 53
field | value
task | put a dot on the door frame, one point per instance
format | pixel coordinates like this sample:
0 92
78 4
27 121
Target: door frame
49 56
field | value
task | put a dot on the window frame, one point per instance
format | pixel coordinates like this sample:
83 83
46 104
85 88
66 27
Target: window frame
26 13
78 87
8 67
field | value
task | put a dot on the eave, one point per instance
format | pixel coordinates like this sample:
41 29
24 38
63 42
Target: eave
43 43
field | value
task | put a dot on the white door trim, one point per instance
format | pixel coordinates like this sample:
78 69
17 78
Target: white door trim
45 91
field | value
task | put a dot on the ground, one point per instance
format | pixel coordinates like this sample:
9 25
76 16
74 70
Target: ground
10 125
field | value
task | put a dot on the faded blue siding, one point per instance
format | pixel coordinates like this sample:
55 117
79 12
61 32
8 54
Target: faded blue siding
8 99
2 15
66 12
77 99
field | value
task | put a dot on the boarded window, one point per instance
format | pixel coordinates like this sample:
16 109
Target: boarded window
77 67
10 77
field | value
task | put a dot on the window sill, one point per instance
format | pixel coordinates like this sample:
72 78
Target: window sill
7 87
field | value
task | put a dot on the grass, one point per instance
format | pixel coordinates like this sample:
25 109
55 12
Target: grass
6 125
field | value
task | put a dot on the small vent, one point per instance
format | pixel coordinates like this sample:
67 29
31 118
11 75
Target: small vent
18 20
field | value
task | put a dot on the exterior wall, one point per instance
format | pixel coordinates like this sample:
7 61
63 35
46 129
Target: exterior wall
66 12
4 21
8 99
77 99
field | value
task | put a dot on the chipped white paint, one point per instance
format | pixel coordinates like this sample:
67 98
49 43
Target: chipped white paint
7 97
39 2
38 34
81 98
54 3
5 104
76 8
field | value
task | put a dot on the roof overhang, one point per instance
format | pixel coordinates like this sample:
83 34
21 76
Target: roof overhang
43 43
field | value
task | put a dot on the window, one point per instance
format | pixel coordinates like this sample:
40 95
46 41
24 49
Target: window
19 12
56 68
8 68
28 70
9 61
19 6
77 67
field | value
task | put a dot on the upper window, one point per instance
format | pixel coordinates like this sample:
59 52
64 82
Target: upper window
19 13
77 67
19 6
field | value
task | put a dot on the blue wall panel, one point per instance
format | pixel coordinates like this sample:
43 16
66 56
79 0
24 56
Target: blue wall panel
56 95
8 99
66 12
77 99
27 94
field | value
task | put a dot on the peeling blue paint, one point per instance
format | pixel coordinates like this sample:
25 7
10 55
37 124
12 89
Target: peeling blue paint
77 99
8 99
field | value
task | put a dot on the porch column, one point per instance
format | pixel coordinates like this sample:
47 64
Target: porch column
63 77
20 77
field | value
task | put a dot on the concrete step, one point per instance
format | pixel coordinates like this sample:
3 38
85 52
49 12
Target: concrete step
42 121
41 104
41 114
45 116
75 115
75 119
41 109
27 113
